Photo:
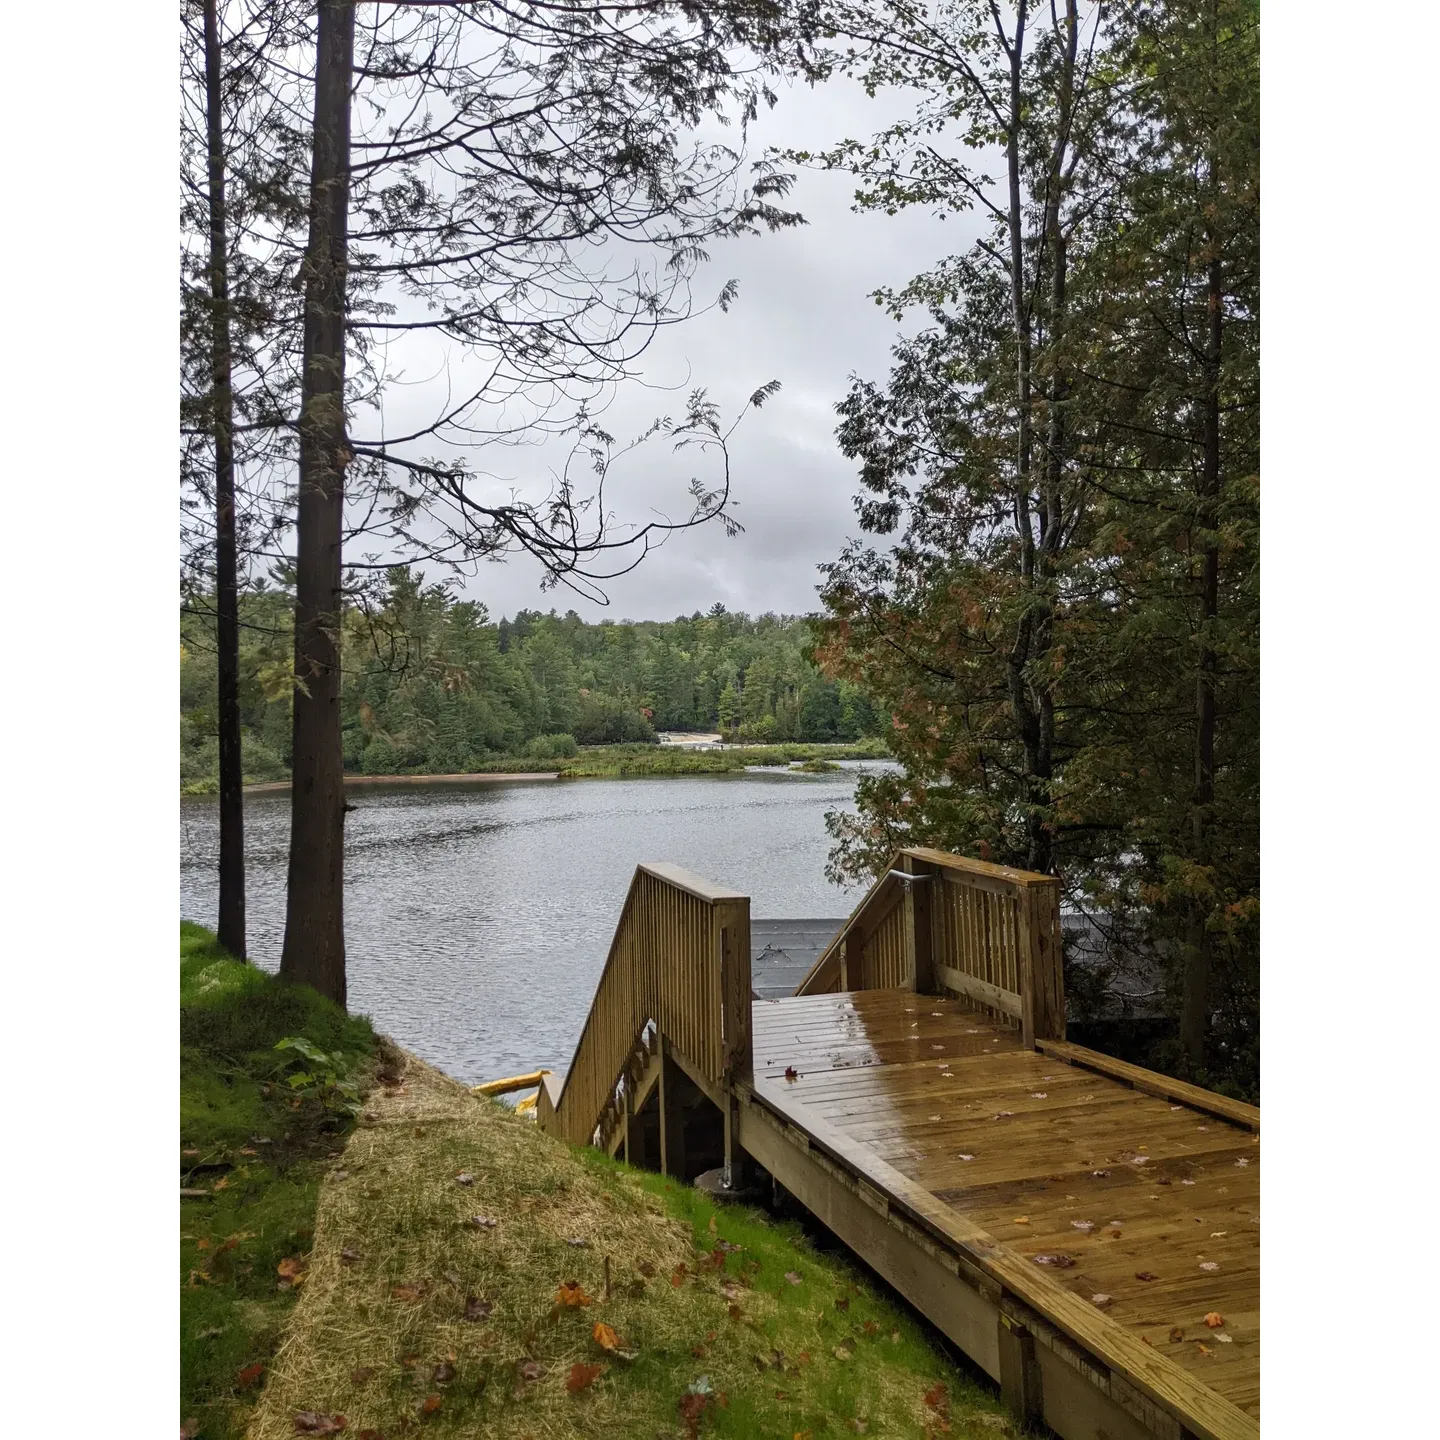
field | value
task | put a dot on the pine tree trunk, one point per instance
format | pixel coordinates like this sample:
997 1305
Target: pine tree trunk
1195 1003
231 925
314 949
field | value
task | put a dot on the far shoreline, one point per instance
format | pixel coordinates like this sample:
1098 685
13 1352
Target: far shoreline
417 780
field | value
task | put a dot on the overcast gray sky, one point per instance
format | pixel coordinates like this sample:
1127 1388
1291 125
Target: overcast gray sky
803 318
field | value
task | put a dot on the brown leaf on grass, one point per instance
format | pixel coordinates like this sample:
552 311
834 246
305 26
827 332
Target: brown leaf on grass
792 1277
699 1351
646 1268
845 1349
430 1404
1214 1320
736 1312
571 1295
410 1293
530 1370
482 1222
937 1398
604 1336
842 1302
677 1276
464 1178
312 1422
582 1376
349 1256
249 1375
291 1268
871 1328
1145 1275
477 1308
362 1374
443 1373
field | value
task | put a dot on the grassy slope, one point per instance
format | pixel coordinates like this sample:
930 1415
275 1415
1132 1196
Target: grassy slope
261 1197
381 1335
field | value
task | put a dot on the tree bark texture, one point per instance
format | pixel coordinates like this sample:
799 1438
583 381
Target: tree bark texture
231 926
314 949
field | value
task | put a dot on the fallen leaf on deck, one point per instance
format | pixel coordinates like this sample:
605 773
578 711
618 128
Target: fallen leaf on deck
312 1422
1101 1299
605 1337
1022 1219
571 1295
1039 1094
1085 1225
1218 1234
249 1375
791 1073
1214 1320
478 1308
464 1178
1100 1174
1001 1114
1226 1339
1203 1349
582 1376
1145 1275
1187 1182
1058 1261
792 1277
1176 1334
1209 1265
934 1117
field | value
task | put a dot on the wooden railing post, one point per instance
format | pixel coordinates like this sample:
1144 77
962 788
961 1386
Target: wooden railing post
732 944
919 960
1042 989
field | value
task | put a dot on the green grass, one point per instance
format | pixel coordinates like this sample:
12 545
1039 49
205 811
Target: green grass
257 1149
711 1299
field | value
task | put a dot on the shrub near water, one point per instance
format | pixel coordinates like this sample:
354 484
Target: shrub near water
257 1127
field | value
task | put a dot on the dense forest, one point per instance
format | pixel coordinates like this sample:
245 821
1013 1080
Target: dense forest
431 683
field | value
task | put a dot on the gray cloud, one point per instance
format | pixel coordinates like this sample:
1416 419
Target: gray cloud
803 317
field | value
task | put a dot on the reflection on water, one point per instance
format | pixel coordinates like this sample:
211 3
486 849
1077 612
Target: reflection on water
477 917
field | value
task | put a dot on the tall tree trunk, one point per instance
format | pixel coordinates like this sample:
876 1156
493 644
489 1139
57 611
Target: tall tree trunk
314 950
1195 1003
227 597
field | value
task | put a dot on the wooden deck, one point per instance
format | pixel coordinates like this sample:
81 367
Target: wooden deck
1048 1159
1087 1231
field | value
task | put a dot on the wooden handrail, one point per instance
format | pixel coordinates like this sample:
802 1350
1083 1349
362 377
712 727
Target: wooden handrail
988 932
680 959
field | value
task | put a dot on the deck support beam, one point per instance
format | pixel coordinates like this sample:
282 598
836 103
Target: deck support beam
1021 1386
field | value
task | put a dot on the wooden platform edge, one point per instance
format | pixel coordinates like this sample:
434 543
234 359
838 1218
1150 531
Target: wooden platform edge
1199 1410
1236 1111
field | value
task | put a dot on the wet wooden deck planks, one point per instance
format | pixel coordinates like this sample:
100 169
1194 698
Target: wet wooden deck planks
1046 1157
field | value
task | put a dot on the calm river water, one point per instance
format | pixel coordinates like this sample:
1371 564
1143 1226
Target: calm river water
478 916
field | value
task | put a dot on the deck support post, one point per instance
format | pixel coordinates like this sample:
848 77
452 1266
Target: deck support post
673 1087
1020 1383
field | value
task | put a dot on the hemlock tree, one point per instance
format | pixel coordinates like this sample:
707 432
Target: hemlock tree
1069 644
235 369
506 155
